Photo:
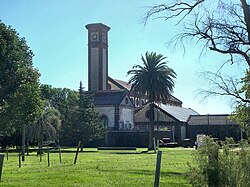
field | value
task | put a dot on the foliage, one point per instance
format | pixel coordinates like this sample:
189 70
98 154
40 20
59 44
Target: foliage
80 121
155 80
20 101
228 167
241 114
47 126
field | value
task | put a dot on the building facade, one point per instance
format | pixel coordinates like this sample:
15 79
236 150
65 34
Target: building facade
125 114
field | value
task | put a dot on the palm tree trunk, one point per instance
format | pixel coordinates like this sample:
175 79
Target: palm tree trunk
151 125
23 142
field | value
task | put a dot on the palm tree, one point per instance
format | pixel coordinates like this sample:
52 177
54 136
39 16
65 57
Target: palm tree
155 80
48 124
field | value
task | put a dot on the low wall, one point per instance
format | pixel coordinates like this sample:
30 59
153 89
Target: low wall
131 138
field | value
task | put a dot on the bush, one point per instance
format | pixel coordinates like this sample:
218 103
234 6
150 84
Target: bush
221 167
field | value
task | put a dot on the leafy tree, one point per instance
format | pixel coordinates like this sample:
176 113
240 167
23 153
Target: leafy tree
20 101
80 121
47 126
242 111
91 126
154 79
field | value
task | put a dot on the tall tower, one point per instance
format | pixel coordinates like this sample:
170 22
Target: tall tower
97 56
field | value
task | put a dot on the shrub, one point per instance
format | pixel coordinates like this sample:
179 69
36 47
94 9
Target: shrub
217 167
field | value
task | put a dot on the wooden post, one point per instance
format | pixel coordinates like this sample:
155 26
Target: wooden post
1 165
77 151
7 153
27 150
158 169
40 154
48 156
19 156
154 144
60 156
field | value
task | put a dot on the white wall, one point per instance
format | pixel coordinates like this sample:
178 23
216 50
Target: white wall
108 111
127 118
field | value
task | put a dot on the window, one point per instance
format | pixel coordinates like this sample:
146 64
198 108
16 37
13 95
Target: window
137 102
105 120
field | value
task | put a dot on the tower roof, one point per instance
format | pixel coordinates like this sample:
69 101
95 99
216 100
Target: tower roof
97 26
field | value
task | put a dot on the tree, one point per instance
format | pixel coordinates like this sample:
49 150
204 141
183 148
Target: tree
154 79
47 126
221 26
242 111
20 101
80 121
90 126
220 85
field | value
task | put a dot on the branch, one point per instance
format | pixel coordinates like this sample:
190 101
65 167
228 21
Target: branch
221 86
175 10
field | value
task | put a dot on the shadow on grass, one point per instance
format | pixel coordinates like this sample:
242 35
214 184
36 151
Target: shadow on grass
128 153
145 172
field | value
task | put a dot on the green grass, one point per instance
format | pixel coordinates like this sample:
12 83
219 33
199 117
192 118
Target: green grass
102 168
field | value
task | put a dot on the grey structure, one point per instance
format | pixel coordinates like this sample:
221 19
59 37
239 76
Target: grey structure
217 126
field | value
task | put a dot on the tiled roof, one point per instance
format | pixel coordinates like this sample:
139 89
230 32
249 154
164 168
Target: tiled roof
125 85
180 113
218 119
107 97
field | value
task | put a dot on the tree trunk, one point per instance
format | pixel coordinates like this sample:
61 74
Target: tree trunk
151 125
23 143
40 140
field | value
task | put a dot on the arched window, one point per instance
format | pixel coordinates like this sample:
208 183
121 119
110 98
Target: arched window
132 100
137 102
105 120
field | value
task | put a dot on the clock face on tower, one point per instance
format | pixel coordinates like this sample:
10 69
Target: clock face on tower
104 37
94 36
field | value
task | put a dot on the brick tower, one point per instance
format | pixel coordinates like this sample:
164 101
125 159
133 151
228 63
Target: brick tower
97 56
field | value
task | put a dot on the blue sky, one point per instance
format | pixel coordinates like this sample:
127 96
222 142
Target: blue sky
55 31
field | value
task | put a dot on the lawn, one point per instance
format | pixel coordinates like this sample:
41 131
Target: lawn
98 168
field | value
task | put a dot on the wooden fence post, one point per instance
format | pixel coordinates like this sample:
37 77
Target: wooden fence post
48 156
40 154
19 156
60 156
154 144
7 153
158 169
77 151
1 165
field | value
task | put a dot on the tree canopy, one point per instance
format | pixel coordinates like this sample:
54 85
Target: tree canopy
155 80
80 121
20 101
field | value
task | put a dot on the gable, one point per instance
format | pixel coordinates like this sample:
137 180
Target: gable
160 115
126 101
